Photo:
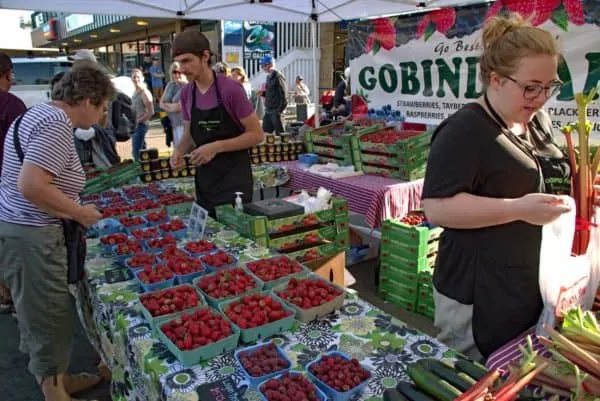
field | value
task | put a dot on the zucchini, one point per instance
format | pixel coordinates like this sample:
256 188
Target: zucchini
432 384
410 392
449 375
476 371
391 394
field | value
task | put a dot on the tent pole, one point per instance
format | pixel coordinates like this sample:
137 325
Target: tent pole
315 48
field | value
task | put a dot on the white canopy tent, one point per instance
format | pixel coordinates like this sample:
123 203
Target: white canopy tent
313 11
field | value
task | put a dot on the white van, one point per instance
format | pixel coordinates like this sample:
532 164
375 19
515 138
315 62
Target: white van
32 76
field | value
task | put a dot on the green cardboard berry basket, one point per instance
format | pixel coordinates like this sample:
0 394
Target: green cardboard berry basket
266 330
153 320
214 302
204 353
307 315
269 285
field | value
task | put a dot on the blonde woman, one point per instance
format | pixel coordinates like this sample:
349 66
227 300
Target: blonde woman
144 109
239 74
170 101
490 183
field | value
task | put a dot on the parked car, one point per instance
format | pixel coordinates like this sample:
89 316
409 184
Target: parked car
31 80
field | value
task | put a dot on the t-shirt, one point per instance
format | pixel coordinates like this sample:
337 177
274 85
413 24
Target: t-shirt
173 95
232 93
46 136
156 82
494 268
11 107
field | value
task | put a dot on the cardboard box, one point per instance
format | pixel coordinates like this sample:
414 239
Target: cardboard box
331 268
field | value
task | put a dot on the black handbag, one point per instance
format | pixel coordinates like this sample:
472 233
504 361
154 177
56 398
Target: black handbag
75 233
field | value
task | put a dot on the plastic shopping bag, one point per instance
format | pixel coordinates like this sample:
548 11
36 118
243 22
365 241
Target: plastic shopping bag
566 281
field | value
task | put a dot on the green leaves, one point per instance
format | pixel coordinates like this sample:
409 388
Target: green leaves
429 31
560 18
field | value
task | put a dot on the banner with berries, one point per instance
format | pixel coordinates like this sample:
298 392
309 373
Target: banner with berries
423 67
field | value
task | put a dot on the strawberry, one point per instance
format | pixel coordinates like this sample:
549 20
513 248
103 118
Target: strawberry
360 107
157 216
443 19
202 246
227 283
422 25
114 211
339 373
171 252
143 204
574 9
114 239
141 260
197 329
218 259
289 386
308 293
183 265
173 225
154 275
263 360
160 243
369 44
130 247
147 233
131 221
176 299
274 268
255 310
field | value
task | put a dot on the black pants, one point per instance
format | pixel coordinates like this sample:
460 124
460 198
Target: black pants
272 122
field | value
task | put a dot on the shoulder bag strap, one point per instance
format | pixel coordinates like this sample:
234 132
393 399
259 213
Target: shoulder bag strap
16 140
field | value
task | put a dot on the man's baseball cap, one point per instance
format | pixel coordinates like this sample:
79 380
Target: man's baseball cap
83 54
299 78
268 59
190 41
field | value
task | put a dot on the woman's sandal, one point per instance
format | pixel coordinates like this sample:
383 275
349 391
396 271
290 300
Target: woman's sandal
79 382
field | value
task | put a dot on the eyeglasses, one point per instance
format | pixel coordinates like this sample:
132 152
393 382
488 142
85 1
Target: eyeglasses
532 91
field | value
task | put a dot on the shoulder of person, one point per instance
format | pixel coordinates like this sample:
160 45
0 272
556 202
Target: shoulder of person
469 121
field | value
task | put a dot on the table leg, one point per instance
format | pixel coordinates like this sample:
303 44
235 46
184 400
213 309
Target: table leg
262 194
277 191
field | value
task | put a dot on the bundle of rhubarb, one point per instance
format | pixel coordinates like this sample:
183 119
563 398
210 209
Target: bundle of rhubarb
464 381
573 357
584 168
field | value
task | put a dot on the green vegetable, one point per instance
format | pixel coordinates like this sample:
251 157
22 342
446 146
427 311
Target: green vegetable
432 384
391 394
447 373
476 371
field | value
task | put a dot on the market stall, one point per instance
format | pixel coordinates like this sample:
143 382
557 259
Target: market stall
145 368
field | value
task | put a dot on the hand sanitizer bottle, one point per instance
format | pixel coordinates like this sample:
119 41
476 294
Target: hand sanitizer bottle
238 202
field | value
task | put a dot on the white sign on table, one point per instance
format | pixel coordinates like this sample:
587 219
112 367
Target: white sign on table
197 223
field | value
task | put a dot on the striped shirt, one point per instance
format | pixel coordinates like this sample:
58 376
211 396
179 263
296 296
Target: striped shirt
46 135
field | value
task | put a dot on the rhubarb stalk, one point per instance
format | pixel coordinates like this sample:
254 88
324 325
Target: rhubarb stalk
513 392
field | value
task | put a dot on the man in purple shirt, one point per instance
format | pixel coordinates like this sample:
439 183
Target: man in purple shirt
11 107
220 125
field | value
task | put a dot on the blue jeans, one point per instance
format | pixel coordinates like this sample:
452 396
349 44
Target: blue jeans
139 140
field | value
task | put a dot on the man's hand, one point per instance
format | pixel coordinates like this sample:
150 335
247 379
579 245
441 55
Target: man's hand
204 154
177 161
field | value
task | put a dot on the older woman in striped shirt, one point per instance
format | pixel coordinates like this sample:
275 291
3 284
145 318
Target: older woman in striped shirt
36 192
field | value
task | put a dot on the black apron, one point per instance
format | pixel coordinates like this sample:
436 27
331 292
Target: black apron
227 173
513 291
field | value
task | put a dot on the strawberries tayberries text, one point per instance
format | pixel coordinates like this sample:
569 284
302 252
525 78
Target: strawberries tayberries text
289 387
255 310
227 283
176 299
263 360
195 330
309 293
339 373
274 268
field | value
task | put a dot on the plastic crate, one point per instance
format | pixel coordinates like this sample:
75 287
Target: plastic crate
266 330
214 302
320 394
307 315
331 393
282 280
193 357
254 381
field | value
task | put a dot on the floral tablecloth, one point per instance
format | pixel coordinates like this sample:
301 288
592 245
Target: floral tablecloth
144 369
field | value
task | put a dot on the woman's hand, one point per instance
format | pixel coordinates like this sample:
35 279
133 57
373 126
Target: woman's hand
539 209
88 215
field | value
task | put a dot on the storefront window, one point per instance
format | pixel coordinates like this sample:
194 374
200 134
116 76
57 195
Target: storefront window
101 54
131 57
113 58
